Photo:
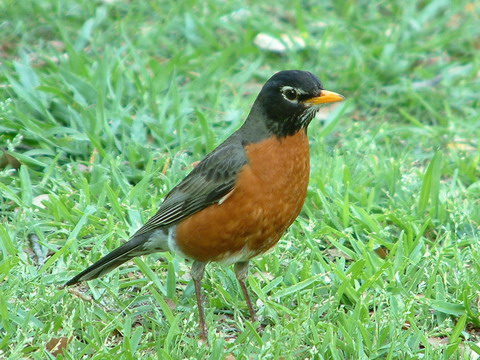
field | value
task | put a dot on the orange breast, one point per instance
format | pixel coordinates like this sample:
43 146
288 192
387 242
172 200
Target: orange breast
269 195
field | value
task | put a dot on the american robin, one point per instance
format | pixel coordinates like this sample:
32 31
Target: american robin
239 200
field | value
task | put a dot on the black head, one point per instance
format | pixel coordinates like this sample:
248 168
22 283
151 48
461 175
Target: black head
289 100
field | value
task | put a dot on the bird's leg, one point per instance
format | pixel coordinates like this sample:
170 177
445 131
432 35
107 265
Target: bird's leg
241 272
198 268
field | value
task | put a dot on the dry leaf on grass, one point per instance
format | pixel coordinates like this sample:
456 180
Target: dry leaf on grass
7 159
382 251
286 42
170 303
437 342
461 145
467 351
406 325
38 200
80 295
335 253
262 275
56 345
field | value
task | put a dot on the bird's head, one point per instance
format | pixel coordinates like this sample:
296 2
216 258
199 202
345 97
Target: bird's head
289 100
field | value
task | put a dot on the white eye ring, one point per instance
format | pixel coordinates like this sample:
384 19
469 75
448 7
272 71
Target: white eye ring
290 94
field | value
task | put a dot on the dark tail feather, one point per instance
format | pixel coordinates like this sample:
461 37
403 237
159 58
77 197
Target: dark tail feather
134 247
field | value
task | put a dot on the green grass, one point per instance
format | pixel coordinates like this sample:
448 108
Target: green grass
107 103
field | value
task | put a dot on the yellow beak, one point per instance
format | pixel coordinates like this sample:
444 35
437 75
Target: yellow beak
325 97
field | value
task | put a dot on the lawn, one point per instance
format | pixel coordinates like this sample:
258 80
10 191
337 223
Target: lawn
105 105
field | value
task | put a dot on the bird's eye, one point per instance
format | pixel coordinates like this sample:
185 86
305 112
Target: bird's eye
290 94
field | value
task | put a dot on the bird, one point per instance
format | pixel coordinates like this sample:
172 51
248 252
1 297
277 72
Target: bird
240 199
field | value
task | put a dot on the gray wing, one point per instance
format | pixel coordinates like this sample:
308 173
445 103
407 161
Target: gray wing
212 179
